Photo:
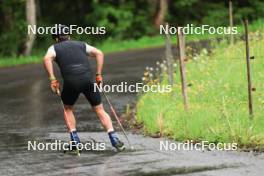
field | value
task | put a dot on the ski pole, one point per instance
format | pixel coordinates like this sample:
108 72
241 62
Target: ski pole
115 115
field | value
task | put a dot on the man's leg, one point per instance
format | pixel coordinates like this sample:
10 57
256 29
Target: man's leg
107 123
69 96
71 123
94 97
69 118
104 117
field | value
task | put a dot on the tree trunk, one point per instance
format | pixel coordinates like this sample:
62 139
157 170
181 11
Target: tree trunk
160 13
31 20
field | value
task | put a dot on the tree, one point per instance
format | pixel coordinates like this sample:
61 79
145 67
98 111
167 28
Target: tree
13 27
160 13
31 20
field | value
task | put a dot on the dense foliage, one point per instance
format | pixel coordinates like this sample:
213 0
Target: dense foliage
124 19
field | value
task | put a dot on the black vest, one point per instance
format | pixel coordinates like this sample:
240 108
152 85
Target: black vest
72 59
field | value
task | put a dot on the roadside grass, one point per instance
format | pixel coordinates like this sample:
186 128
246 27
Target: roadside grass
112 45
217 92
13 61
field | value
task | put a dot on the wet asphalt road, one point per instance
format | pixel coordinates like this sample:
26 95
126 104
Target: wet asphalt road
29 111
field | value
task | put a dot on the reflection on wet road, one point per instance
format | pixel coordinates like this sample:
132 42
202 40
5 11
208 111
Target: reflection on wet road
30 112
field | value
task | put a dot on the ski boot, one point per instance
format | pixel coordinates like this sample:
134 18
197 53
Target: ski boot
116 143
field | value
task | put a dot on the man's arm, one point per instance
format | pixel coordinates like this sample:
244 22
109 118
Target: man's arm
48 59
99 56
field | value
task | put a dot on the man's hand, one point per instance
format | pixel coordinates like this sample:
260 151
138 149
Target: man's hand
99 79
55 86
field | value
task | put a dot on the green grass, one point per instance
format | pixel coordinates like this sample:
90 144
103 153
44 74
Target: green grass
218 108
13 61
114 46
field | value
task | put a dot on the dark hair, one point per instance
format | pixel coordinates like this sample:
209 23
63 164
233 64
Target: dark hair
63 37
62 33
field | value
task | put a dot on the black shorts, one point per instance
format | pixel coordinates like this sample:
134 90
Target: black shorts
73 88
